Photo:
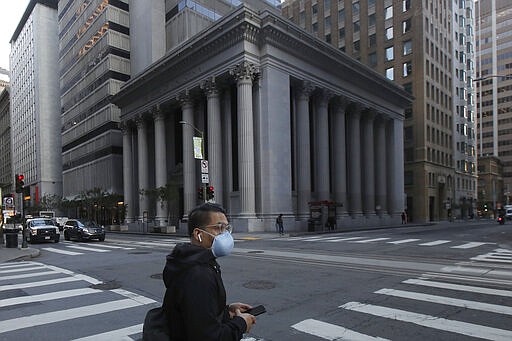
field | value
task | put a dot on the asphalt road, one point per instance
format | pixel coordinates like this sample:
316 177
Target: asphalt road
440 282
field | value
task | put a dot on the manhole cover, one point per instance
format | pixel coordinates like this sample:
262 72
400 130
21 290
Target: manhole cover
156 276
109 285
139 252
255 251
261 285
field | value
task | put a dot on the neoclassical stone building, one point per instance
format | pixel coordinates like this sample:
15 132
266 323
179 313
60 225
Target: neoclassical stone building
287 120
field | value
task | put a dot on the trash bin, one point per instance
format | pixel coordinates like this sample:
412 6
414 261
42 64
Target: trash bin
11 238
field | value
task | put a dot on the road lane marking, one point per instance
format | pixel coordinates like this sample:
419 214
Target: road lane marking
464 328
403 241
343 239
64 252
113 247
156 244
86 248
321 239
493 308
66 314
17 265
331 332
34 274
48 296
371 240
38 284
468 245
459 287
19 270
436 242
118 334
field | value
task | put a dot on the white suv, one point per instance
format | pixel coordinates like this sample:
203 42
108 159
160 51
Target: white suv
41 229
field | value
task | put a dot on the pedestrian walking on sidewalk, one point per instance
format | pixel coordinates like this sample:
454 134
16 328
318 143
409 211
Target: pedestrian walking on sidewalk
279 224
404 218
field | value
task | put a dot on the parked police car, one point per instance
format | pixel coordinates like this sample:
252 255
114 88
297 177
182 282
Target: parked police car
40 230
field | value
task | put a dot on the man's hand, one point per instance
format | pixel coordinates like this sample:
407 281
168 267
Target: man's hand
249 319
240 306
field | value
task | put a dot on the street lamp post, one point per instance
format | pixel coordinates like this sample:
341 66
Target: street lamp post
201 134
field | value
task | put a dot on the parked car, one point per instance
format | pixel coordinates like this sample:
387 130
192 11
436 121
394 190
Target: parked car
41 229
83 230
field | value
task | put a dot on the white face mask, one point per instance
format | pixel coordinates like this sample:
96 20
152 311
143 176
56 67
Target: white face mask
222 244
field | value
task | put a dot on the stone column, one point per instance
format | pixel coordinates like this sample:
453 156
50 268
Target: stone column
244 74
215 160
395 157
340 155
381 167
323 168
189 165
128 172
160 164
368 156
303 163
142 143
354 160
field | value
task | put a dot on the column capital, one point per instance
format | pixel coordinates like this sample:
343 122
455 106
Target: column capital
324 96
140 122
244 71
341 103
126 127
185 99
369 114
381 118
210 86
157 113
305 89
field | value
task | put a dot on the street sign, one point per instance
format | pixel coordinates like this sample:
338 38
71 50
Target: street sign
8 203
204 166
205 178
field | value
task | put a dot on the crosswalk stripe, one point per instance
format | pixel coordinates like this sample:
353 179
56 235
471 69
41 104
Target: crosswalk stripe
118 334
485 258
113 247
493 308
39 283
35 274
19 270
47 297
331 332
436 242
323 239
16 265
371 240
403 241
156 244
344 239
67 314
468 245
64 252
464 328
86 248
459 287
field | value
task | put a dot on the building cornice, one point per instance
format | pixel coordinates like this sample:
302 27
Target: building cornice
50 3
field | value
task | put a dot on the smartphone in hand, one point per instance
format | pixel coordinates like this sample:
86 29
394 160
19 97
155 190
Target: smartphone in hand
255 311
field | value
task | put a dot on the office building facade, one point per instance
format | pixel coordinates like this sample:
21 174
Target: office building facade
411 43
94 60
6 176
288 120
494 96
34 100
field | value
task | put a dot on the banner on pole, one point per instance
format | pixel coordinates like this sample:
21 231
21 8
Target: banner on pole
198 147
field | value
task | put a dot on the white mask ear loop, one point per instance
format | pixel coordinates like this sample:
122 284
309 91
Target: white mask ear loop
199 237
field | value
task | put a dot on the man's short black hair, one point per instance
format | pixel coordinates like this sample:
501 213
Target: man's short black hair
200 215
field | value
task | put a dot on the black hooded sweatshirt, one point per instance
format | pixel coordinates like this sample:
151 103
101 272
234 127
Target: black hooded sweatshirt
195 298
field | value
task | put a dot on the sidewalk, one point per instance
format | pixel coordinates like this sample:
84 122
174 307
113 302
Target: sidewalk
11 254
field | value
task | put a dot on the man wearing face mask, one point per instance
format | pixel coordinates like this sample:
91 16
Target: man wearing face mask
195 298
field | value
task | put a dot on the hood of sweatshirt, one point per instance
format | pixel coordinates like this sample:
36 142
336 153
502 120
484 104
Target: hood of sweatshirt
183 257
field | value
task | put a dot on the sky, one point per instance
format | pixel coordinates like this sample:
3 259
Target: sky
11 12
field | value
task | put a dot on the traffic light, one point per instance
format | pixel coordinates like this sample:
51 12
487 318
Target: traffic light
20 184
200 193
210 193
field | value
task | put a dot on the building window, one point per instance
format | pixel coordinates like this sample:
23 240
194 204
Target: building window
371 20
328 38
372 40
406 26
342 33
371 3
407 47
390 73
315 9
390 53
327 23
388 13
357 46
355 8
408 87
356 27
327 5
341 15
407 69
372 59
406 5
315 27
389 33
